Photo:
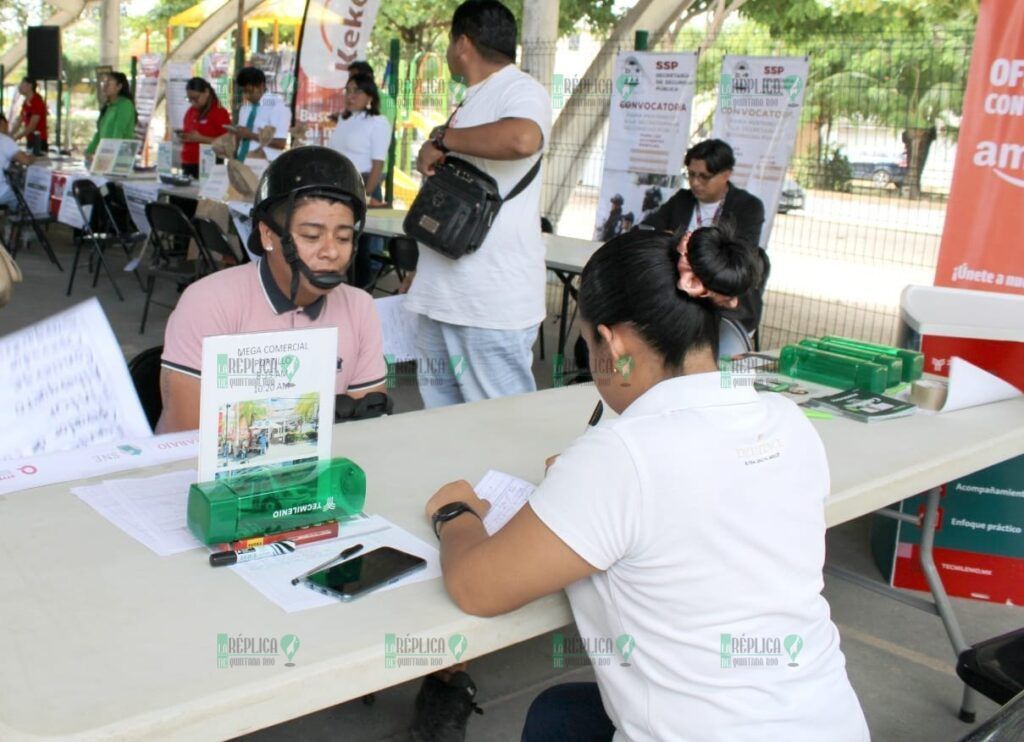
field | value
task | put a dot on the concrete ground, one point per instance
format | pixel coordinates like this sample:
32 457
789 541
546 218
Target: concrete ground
899 659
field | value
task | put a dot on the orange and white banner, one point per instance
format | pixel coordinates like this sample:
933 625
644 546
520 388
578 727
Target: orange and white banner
334 35
984 220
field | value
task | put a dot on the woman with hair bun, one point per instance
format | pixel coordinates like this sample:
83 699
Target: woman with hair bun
688 532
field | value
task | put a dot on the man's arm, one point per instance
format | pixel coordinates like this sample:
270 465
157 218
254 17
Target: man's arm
180 395
23 158
507 139
668 214
749 220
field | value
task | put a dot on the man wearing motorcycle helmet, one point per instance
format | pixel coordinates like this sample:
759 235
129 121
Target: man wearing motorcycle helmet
308 212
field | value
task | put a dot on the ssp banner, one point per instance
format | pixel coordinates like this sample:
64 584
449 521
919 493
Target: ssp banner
759 104
981 241
648 128
334 35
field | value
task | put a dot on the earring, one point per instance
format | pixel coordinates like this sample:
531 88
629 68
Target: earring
268 248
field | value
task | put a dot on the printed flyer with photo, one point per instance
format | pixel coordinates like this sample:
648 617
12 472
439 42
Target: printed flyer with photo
266 400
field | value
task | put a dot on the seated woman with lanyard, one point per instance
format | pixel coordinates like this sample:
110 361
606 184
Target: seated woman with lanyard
117 116
308 211
688 533
364 135
205 120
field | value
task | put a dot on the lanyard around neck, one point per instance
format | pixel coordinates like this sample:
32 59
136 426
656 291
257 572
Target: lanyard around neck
714 217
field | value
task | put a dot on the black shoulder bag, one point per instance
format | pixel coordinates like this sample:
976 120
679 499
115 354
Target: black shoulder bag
456 206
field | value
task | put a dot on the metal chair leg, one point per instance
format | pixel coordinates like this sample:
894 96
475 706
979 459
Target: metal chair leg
74 265
150 281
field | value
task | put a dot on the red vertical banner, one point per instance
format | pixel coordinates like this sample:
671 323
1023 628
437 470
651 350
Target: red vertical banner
334 34
981 247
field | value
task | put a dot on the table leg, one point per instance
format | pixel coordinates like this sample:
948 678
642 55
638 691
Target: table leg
942 605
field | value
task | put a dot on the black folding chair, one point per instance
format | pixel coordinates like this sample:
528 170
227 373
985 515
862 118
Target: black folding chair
217 244
100 231
171 235
145 372
22 215
403 253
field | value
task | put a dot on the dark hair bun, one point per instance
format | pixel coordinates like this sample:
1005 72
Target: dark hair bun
724 263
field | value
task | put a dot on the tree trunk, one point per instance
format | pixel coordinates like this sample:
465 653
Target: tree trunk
918 142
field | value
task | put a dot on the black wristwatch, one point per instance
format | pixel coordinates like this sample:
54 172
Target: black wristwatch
437 138
447 513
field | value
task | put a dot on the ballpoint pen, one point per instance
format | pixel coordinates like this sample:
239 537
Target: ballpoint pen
345 554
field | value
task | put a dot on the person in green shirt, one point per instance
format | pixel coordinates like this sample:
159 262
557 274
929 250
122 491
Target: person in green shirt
117 117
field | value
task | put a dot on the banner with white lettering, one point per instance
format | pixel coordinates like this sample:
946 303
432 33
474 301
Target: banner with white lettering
334 34
981 241
758 114
648 128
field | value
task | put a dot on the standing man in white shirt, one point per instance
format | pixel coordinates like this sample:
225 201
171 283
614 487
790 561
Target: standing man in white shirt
259 109
479 314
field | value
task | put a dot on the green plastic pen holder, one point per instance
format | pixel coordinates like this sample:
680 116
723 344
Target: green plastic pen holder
274 500
831 369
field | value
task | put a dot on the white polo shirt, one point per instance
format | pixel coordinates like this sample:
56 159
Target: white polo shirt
8 149
501 285
704 509
362 138
272 111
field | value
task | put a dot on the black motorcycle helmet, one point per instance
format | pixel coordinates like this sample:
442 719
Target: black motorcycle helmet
305 172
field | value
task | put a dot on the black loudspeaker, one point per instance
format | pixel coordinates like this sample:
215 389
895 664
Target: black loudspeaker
44 52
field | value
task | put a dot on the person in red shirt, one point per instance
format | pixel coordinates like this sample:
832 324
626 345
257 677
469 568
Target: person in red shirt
204 121
33 116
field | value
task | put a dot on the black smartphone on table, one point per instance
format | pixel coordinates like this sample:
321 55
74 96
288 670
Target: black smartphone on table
365 573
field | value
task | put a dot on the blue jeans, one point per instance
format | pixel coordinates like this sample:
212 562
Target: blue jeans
571 712
466 364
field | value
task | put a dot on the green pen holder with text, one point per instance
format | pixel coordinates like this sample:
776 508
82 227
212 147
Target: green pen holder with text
274 500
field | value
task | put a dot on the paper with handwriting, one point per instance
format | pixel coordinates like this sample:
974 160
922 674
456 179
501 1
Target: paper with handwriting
64 385
507 494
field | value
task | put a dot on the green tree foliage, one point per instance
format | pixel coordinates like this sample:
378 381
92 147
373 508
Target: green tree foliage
898 63
422 25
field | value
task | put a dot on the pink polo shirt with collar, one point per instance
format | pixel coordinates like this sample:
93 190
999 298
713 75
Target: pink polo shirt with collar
247 299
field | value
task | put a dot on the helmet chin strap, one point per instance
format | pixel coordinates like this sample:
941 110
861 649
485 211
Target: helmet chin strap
324 281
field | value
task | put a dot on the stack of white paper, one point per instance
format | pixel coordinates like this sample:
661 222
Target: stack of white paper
151 510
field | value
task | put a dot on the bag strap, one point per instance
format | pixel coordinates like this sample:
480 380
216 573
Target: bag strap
525 181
